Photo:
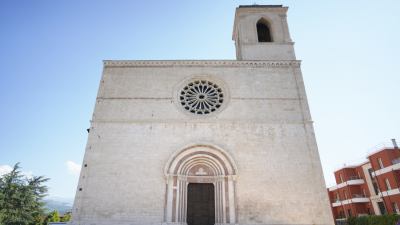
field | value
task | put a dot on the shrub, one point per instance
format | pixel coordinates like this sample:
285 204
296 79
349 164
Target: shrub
374 220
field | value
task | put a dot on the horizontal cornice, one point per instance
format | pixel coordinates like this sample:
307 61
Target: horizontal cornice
202 63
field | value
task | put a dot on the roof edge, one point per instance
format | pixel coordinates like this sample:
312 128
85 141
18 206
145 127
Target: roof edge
214 63
260 6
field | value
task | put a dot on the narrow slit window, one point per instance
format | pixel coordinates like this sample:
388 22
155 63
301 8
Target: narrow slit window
380 163
263 31
388 187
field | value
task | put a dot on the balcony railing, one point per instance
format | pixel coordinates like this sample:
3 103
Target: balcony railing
395 166
354 178
354 181
355 198
359 196
352 196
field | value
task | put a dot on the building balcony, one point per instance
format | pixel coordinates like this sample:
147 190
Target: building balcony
389 192
356 198
336 203
354 181
394 166
375 198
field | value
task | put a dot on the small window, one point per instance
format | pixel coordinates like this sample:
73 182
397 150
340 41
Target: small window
380 163
341 178
263 31
382 208
337 197
376 188
387 185
395 208
370 171
345 194
201 97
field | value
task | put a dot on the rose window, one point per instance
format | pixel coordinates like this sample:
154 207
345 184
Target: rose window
201 97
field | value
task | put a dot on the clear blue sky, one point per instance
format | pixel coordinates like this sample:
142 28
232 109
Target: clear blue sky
51 56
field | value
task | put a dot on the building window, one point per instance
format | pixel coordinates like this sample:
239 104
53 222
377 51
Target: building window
395 208
341 178
337 197
376 188
387 185
380 163
382 208
349 212
364 192
396 161
263 31
345 194
370 171
201 97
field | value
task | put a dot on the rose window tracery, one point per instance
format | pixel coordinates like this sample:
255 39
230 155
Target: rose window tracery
201 97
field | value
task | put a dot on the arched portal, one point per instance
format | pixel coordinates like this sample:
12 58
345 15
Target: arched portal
200 164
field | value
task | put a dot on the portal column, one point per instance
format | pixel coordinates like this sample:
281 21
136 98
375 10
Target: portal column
220 206
231 199
217 201
182 199
170 189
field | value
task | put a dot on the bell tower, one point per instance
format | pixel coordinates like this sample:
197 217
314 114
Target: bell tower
261 32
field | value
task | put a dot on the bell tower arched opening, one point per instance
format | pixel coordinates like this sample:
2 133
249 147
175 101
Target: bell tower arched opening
263 31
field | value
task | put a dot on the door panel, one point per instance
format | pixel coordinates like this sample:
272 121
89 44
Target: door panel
200 204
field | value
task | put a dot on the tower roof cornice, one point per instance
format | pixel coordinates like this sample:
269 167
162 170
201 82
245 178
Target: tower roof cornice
260 6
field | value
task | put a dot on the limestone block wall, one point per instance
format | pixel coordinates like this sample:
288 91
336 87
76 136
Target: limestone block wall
264 125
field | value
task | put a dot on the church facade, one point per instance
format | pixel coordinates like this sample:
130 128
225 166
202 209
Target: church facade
202 142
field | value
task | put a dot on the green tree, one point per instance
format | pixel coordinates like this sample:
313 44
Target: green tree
53 216
391 219
21 198
66 217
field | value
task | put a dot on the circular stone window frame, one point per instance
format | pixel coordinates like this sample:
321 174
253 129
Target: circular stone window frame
220 83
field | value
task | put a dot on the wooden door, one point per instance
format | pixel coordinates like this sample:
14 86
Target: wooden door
200 204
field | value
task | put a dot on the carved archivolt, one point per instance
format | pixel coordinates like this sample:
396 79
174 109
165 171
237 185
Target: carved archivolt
200 164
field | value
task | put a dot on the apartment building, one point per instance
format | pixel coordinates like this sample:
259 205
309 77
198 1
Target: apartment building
370 188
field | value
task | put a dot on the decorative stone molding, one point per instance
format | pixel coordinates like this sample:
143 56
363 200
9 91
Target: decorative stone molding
177 92
218 168
201 63
201 96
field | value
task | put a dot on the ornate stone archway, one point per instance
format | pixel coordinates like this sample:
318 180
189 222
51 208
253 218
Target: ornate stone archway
200 164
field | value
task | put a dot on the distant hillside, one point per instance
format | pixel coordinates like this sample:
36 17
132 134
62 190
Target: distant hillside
62 205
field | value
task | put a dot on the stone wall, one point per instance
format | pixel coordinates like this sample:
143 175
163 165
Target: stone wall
264 126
